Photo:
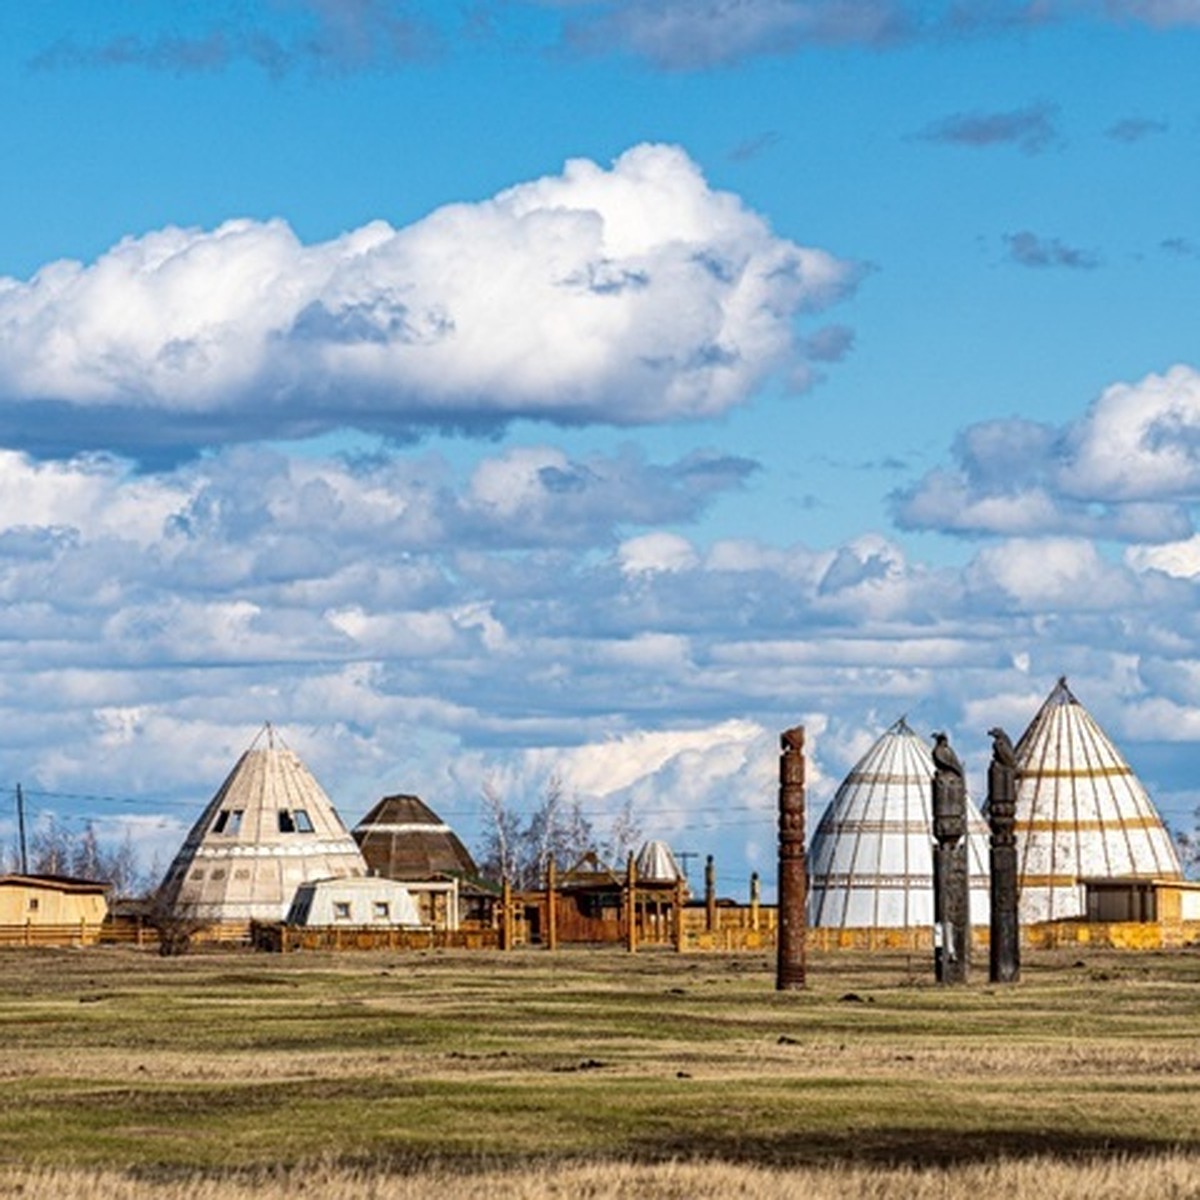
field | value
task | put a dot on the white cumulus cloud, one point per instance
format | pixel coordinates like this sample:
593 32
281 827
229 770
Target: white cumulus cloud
623 295
1128 469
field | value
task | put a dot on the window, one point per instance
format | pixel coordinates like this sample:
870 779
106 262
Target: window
34 904
382 910
286 824
341 910
229 820
303 824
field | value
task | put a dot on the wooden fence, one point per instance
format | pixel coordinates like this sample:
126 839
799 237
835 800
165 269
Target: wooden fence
77 933
284 939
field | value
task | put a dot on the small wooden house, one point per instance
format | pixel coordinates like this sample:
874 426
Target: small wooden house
51 909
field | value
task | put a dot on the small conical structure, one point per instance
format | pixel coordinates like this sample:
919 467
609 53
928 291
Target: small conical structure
403 838
1081 813
269 828
656 864
871 858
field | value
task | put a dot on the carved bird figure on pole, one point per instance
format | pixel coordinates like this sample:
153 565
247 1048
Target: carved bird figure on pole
944 757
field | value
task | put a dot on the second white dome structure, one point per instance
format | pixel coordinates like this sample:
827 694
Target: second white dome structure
1081 813
269 828
871 858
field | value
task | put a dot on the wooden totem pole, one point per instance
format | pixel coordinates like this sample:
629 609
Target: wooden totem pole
951 883
1004 959
793 867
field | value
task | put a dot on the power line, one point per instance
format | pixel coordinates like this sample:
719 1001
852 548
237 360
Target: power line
94 798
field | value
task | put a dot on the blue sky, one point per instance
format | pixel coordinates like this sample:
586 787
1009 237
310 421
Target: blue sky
500 391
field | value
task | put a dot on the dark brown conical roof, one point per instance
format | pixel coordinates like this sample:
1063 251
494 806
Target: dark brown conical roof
403 838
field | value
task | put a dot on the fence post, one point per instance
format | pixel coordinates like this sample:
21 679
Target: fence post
506 916
631 904
710 894
551 905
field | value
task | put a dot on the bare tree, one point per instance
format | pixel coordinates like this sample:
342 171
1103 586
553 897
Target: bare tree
624 835
10 858
519 849
51 848
1189 848
502 834
86 856
121 868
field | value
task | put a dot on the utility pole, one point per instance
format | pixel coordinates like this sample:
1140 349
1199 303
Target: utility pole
21 830
685 857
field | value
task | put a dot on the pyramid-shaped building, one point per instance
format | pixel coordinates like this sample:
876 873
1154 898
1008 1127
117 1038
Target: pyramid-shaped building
269 828
871 858
1081 813
403 838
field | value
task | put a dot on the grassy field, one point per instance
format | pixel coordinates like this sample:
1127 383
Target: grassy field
594 1072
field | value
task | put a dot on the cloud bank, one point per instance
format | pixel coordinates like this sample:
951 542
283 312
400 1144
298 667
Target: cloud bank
323 37
334 38
629 295
1128 470
415 626
679 35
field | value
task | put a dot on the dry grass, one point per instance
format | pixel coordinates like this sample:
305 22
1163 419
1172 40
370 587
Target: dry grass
1169 1177
593 1073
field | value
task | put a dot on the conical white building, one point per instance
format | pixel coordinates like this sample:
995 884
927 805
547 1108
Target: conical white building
268 829
1081 813
871 858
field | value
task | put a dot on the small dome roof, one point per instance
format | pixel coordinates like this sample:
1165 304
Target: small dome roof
403 838
1081 813
871 859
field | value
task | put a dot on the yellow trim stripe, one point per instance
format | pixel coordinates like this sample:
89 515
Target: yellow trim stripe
1088 826
1024 773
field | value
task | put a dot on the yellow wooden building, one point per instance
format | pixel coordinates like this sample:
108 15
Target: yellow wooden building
51 909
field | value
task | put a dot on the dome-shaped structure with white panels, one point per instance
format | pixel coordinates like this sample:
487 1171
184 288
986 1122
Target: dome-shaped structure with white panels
871 858
269 828
1081 813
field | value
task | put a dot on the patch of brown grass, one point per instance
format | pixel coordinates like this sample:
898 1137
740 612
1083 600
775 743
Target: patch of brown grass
1165 1177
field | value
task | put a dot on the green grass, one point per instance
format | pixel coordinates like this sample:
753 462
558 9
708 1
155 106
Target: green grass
220 1060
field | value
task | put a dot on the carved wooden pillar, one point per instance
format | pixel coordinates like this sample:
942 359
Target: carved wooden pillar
951 881
1004 956
754 900
793 867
